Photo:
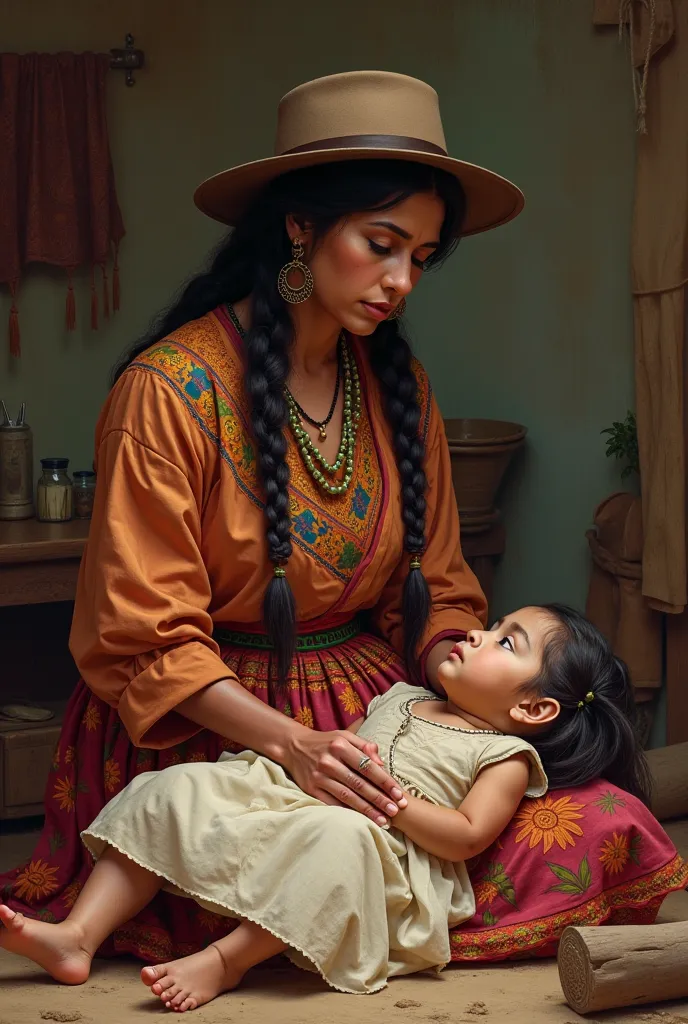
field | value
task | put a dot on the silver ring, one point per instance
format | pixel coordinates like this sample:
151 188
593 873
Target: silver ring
364 762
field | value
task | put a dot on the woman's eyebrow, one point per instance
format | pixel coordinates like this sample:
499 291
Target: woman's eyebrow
401 232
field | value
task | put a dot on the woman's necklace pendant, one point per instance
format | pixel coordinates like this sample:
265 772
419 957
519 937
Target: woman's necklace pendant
323 433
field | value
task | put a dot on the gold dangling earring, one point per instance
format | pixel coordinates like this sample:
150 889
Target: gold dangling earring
305 289
398 310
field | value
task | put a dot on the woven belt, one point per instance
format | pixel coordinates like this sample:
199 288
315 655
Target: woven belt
304 642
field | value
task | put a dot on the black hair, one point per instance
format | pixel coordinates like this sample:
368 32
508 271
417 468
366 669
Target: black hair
594 737
248 262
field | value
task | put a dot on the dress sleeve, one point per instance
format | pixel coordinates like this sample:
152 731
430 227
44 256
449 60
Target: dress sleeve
142 634
396 694
457 602
504 747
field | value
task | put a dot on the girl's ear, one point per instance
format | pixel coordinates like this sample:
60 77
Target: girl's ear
536 711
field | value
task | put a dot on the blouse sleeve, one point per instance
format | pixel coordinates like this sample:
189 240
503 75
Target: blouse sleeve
457 602
142 634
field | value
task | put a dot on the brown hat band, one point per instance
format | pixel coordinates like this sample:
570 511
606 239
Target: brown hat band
400 142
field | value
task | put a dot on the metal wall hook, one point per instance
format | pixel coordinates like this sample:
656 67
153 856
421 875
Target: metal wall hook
127 60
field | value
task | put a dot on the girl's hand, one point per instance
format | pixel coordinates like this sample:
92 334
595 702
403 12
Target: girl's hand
326 765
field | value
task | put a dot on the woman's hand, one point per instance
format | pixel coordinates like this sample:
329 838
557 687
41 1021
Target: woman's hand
326 765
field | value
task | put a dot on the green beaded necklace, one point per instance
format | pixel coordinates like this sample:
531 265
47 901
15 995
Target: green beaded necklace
310 454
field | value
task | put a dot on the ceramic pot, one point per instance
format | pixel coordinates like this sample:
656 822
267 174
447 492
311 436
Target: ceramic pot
480 451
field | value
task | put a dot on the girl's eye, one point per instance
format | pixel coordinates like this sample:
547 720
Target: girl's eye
507 643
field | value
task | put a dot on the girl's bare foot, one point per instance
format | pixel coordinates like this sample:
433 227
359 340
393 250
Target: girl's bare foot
192 981
57 948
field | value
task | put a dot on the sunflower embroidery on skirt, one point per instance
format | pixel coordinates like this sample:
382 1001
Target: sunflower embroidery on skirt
547 820
65 794
616 852
145 761
69 896
92 717
111 775
495 883
211 922
351 702
305 717
36 881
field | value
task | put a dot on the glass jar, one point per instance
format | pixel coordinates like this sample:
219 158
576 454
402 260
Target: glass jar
54 492
84 493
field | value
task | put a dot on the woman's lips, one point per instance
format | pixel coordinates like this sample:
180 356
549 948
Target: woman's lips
378 310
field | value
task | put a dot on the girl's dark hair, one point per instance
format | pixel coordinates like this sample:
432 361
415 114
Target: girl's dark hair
248 262
599 738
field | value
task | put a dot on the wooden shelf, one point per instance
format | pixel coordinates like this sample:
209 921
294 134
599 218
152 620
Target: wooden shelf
39 562
57 707
27 540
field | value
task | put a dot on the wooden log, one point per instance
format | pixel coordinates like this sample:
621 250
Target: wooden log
669 768
623 965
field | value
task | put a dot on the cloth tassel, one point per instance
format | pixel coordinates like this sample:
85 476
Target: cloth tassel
106 295
115 281
94 300
70 310
15 335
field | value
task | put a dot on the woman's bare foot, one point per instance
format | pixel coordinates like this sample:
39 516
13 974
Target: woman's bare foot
192 981
57 948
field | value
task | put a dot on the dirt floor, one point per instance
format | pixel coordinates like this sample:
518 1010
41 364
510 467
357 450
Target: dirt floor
515 993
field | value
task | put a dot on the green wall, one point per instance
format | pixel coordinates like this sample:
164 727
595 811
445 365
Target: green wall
531 322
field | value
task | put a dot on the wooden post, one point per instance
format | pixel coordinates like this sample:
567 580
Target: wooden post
623 965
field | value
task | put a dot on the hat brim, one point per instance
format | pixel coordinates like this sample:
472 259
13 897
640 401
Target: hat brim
491 200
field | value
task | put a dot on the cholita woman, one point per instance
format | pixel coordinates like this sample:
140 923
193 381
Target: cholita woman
275 539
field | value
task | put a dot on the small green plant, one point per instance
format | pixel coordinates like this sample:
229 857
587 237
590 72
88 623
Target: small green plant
623 444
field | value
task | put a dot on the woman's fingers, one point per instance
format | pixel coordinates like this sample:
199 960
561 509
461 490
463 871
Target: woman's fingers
337 794
341 768
353 756
381 781
354 789
366 746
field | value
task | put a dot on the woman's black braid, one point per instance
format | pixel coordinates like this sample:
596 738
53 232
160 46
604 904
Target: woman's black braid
391 361
267 367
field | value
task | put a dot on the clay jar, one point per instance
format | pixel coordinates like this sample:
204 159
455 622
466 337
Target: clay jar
480 451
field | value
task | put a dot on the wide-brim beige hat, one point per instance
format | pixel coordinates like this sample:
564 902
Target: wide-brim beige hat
361 115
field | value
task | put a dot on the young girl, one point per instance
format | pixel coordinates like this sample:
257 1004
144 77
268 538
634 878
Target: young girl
540 692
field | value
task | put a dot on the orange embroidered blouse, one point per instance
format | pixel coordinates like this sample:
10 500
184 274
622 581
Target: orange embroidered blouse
177 541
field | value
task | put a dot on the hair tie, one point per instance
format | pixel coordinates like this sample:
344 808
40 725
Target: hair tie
280 572
589 697
415 562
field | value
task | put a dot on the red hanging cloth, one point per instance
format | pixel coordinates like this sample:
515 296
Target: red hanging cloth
59 204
